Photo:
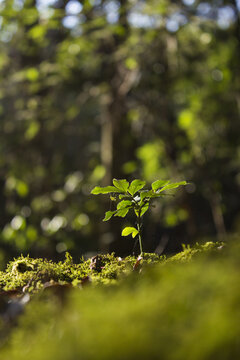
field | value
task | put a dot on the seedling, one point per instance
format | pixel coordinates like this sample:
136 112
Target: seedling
134 197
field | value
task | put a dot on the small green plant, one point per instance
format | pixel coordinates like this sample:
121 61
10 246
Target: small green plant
134 197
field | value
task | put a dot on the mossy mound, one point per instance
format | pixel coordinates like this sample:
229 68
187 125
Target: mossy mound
30 275
183 307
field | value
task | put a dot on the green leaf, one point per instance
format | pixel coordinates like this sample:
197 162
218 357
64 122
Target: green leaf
124 204
122 185
104 190
108 215
125 197
129 230
122 212
159 183
173 186
144 209
146 194
135 186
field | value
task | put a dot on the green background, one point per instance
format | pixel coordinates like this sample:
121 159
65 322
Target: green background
91 90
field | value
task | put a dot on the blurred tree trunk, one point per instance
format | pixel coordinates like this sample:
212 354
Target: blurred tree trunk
116 145
215 203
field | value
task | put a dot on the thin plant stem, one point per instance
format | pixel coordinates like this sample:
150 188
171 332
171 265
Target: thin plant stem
139 233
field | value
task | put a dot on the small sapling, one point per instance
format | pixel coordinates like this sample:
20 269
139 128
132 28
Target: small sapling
133 196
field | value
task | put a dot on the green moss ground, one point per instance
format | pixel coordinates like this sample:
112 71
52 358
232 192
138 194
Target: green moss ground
182 307
30 275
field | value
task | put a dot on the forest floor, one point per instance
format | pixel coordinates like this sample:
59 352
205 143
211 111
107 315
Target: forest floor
107 307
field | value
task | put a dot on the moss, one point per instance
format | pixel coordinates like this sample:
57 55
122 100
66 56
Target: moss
188 253
182 307
30 275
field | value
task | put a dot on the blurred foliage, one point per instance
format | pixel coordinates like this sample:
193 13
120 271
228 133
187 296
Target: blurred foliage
91 90
185 307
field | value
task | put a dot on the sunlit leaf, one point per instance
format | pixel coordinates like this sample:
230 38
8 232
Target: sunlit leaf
104 190
121 184
144 209
130 230
135 186
122 212
146 194
159 183
173 186
124 204
125 197
108 215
